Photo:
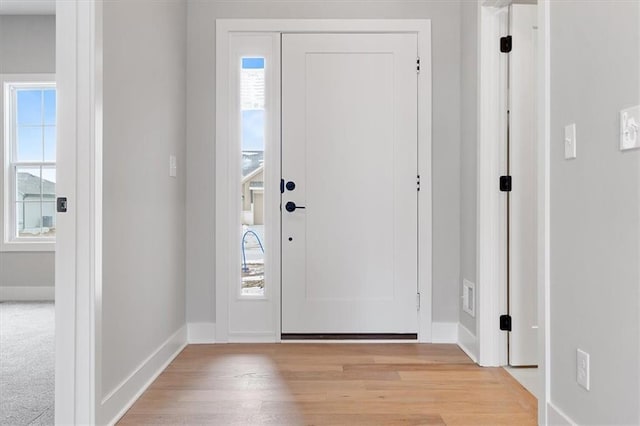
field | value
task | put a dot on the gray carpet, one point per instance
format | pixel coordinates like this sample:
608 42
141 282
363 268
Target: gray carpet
27 358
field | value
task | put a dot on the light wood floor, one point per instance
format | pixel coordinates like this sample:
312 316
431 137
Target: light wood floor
331 384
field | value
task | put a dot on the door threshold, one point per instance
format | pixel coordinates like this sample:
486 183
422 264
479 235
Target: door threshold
410 337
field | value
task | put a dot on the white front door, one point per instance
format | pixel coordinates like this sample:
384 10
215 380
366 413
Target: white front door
349 146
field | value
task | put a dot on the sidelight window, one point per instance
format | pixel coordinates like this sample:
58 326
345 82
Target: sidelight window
252 135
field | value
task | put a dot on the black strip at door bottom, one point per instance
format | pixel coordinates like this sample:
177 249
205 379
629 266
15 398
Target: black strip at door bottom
349 336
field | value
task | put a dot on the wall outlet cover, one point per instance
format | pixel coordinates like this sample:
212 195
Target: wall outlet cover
582 369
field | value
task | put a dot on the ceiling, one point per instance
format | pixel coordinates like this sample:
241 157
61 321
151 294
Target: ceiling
27 7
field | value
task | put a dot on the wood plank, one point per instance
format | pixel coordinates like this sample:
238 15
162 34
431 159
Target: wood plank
331 384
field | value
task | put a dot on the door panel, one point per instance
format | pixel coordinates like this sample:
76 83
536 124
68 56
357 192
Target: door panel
349 142
523 305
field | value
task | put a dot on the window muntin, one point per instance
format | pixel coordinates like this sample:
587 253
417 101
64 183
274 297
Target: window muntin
252 140
30 161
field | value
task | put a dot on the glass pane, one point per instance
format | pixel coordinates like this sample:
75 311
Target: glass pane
252 93
29 219
29 143
48 219
50 143
253 130
48 184
28 184
50 107
29 108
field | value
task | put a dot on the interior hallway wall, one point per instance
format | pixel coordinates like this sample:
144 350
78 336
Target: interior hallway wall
595 211
468 151
143 288
445 21
27 46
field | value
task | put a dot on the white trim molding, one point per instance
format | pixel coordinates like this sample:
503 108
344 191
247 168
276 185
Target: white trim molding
444 332
468 342
199 333
118 401
556 417
79 240
30 293
226 202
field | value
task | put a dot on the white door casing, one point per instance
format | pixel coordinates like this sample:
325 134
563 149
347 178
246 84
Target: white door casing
523 233
78 268
349 142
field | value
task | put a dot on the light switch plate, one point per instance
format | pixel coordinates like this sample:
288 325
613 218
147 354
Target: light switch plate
570 142
173 166
582 369
630 128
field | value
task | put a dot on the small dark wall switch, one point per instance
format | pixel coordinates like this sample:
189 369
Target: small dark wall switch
61 205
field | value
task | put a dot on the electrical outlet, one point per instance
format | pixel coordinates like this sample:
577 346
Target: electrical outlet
582 367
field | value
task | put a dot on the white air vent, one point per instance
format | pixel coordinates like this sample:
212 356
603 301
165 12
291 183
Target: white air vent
469 297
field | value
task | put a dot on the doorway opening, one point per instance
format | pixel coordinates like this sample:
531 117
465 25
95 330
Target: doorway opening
511 193
28 132
255 67
521 166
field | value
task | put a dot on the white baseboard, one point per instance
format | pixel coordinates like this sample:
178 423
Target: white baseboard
251 337
27 294
201 333
118 401
468 342
444 332
555 416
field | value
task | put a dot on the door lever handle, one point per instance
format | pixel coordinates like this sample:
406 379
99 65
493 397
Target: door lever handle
291 207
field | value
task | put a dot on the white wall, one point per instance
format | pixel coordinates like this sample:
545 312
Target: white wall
595 211
143 287
27 46
445 18
468 150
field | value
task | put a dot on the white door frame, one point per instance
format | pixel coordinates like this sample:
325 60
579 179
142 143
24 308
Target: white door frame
227 185
78 243
491 261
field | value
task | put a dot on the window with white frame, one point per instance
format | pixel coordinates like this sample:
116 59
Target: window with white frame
30 161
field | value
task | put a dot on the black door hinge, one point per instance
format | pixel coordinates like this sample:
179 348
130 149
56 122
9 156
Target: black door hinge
506 44
418 65
505 322
505 183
